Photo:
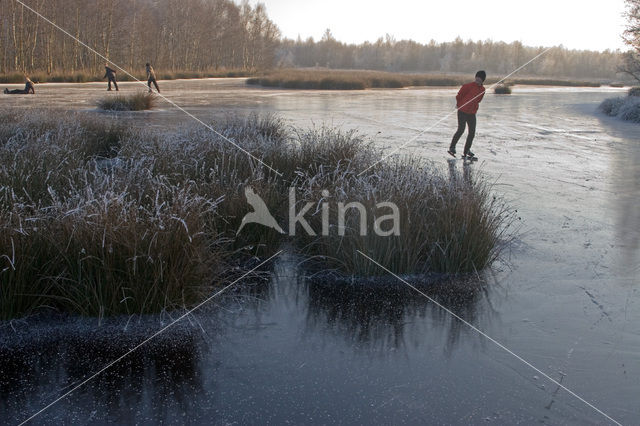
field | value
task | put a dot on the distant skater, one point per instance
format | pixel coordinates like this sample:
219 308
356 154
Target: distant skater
151 78
111 75
467 102
29 88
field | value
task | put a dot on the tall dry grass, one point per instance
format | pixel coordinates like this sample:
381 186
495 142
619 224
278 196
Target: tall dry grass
326 79
88 76
139 101
349 79
448 223
101 219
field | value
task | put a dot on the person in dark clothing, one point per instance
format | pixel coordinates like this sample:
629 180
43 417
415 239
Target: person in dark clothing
29 87
467 102
111 75
151 77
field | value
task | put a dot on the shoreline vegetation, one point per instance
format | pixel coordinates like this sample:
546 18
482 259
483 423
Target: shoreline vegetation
325 79
306 78
502 89
89 77
98 218
626 108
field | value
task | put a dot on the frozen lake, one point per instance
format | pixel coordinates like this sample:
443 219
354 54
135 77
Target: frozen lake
566 298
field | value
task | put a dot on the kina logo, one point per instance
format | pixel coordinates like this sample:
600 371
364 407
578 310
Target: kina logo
260 214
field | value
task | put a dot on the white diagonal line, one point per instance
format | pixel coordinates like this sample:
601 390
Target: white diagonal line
154 335
426 129
491 339
142 82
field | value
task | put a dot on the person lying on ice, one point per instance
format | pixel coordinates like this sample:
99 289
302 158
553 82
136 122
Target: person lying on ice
29 87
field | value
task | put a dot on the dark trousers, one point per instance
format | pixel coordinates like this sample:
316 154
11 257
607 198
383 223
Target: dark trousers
464 120
17 92
153 80
112 80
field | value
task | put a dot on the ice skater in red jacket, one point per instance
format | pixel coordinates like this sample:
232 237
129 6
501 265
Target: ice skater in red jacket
467 103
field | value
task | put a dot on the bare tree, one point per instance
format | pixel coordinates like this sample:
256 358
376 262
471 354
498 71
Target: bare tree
178 35
631 36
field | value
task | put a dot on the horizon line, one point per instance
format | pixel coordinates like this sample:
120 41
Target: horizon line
468 40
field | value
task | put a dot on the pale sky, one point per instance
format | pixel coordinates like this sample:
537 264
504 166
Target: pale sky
576 24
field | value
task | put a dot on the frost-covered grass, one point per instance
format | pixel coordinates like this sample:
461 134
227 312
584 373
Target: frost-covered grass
450 223
626 108
100 219
139 101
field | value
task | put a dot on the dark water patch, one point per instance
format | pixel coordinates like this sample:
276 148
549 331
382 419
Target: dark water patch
46 356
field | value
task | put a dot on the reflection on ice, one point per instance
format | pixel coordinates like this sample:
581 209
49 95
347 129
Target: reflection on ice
625 182
389 314
158 381
628 210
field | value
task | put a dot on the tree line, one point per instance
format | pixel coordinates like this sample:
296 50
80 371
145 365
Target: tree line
498 58
172 34
201 35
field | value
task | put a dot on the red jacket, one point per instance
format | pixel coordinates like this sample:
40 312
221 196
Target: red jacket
469 97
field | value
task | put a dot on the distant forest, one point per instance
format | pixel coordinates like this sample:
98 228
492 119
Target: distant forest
199 35
497 58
